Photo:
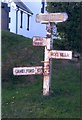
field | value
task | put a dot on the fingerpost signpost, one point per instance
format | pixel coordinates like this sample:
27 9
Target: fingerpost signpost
49 53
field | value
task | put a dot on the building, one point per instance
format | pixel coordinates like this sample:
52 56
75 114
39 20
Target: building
12 16
16 17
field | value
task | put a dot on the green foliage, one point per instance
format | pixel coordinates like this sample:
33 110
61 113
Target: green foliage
70 28
60 44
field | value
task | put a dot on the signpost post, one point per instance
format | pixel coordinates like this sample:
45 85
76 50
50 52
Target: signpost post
47 42
47 63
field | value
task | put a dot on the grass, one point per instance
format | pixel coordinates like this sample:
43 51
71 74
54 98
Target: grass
22 96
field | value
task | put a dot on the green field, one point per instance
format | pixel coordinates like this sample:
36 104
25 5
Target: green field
22 95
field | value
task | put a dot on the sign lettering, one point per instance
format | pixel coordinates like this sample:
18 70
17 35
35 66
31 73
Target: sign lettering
57 54
27 70
42 41
39 41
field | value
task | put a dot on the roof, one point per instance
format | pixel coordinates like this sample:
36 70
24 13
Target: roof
21 5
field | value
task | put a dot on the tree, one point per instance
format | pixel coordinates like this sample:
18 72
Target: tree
71 27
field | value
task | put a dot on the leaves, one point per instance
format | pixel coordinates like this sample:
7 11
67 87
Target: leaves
71 27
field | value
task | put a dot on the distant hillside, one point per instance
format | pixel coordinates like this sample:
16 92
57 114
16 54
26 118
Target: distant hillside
18 51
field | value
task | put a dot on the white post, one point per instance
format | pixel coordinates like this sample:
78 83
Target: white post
47 64
46 80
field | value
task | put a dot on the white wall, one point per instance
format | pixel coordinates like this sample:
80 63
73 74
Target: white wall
23 31
12 15
35 29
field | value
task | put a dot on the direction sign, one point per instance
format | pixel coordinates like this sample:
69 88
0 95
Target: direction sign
39 41
57 54
42 41
51 17
27 70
